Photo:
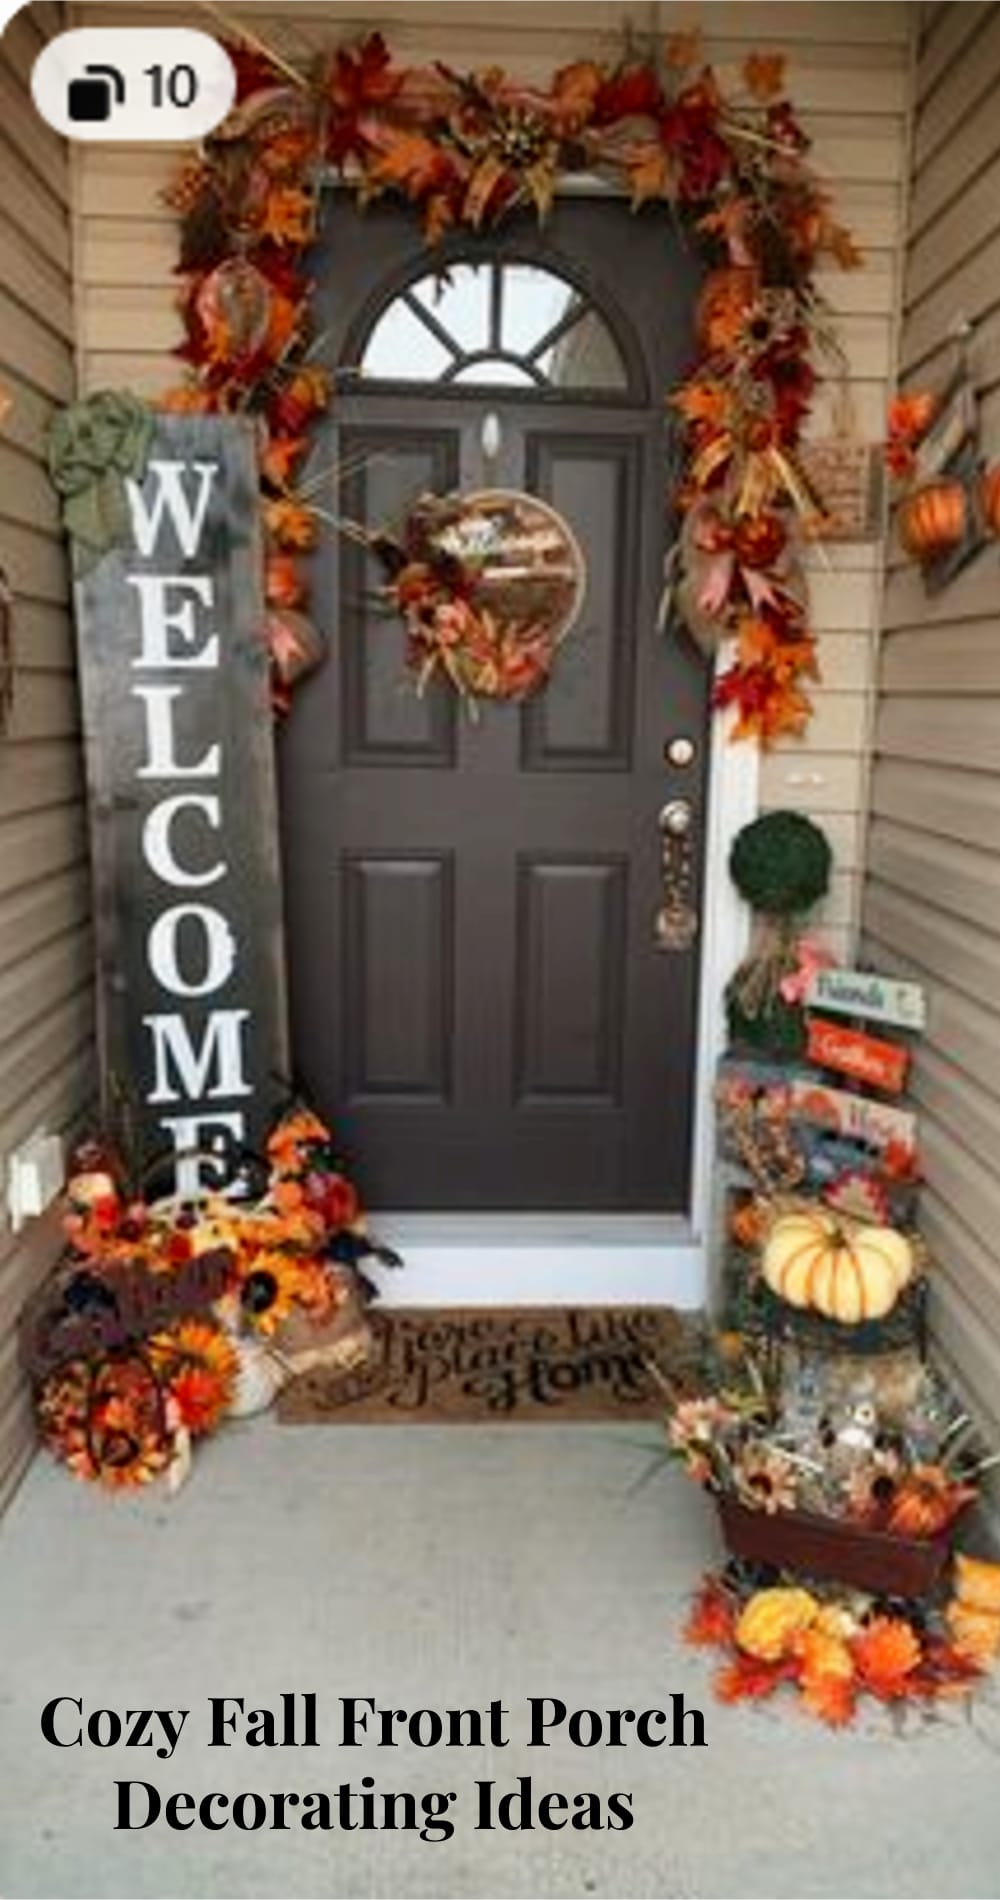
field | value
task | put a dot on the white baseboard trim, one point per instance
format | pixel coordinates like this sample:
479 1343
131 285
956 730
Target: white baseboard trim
521 1270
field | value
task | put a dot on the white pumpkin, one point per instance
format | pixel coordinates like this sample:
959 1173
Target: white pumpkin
259 1378
815 1260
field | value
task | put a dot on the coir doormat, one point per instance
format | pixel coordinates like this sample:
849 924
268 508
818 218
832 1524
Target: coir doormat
468 1365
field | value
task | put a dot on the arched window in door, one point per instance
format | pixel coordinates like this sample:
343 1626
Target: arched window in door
509 323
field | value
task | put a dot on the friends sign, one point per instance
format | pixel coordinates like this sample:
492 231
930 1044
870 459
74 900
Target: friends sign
174 679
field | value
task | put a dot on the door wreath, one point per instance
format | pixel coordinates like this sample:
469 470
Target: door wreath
465 150
488 585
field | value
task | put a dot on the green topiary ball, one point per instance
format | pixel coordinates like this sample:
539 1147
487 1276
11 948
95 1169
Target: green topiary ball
781 864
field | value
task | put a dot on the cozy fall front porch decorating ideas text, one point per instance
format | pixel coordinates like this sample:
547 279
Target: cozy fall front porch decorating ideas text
465 150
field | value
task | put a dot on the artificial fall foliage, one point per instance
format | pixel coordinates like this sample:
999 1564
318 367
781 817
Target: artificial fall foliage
835 1651
466 149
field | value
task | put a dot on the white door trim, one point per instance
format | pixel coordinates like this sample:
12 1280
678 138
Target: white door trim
602 1259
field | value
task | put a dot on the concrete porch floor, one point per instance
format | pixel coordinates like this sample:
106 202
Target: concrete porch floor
438 1567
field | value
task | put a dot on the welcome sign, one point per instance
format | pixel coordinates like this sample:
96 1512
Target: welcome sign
174 681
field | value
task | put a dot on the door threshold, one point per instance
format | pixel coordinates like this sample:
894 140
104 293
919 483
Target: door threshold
456 1259
447 1229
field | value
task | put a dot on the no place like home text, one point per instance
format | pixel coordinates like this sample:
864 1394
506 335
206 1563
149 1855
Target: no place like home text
293 1722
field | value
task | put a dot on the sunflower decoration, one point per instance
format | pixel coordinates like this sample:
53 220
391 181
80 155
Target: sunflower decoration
268 1289
197 1364
765 1478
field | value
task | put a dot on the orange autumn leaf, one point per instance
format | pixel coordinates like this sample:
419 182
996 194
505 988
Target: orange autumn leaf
649 175
288 215
282 582
311 384
280 456
885 1654
288 1196
702 402
410 161
574 91
747 1680
290 524
842 246
831 1698
439 216
764 74
711 1619
187 400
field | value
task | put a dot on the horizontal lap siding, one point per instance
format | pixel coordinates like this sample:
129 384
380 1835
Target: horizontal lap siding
46 967
849 69
932 897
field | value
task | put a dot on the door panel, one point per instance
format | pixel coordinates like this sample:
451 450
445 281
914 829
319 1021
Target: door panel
398 1037
584 717
383 723
569 986
477 1000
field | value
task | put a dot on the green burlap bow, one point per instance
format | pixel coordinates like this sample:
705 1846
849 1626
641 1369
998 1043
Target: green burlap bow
92 447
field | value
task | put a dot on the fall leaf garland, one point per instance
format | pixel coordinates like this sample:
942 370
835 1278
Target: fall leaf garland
465 149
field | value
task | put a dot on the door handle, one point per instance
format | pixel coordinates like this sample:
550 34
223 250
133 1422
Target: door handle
676 924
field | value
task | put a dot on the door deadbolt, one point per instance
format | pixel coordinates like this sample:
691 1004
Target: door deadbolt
680 751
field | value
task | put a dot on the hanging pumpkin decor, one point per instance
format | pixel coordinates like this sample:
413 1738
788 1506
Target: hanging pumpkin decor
932 520
816 1260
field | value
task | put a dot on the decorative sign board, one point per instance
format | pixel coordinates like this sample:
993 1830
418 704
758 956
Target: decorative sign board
861 993
174 678
846 477
854 1116
880 1065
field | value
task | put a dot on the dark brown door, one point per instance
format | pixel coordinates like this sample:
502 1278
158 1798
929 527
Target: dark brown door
478 999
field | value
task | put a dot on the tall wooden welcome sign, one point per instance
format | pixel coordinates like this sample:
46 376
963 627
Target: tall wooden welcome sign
174 679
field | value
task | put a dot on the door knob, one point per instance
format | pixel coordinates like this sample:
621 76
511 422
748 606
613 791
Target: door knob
676 818
675 926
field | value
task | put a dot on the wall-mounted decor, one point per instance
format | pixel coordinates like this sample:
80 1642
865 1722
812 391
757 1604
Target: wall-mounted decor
174 678
933 451
468 149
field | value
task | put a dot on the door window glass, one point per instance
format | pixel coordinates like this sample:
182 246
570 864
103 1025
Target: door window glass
495 324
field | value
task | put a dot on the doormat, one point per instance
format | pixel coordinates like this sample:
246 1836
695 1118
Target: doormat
476 1365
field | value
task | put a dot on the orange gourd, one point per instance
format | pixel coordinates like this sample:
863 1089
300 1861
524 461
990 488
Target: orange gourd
932 520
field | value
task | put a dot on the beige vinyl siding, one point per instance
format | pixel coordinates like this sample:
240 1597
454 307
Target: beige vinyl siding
932 899
849 70
46 971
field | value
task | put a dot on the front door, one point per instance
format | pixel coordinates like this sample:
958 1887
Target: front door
479 999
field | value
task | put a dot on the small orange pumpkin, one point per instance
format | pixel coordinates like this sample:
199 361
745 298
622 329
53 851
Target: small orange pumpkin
989 495
932 520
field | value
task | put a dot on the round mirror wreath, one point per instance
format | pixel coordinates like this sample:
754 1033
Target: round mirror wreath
464 150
